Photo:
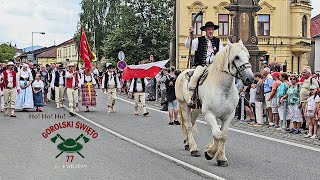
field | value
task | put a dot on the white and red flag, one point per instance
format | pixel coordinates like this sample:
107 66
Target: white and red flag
143 70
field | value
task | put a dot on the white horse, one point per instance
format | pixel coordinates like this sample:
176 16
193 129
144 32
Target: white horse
219 97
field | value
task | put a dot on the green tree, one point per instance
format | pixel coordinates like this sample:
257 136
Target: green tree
6 52
119 24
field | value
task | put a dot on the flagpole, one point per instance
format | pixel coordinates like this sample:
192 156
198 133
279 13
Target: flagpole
79 51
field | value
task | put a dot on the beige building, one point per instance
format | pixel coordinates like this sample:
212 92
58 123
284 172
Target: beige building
67 52
282 27
48 57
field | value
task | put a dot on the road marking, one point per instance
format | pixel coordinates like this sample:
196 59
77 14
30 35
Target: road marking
244 132
189 166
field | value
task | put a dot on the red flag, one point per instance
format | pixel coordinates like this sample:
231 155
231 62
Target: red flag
85 52
143 70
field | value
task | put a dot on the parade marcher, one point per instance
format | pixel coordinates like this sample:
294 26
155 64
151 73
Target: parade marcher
11 88
38 89
138 88
44 77
110 83
25 98
33 70
1 93
100 76
87 90
95 72
72 85
58 83
51 71
206 48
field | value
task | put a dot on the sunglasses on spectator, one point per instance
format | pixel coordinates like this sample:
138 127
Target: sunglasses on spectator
293 79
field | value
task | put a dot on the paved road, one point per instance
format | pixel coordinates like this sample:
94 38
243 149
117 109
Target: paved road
25 154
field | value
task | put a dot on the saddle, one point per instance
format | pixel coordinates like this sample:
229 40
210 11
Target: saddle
200 81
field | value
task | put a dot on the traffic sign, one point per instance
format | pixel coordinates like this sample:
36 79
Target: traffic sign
121 65
121 56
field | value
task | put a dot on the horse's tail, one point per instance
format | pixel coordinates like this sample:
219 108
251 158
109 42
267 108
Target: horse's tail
183 126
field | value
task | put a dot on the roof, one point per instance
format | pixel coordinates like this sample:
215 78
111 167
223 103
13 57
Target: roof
70 41
50 53
315 26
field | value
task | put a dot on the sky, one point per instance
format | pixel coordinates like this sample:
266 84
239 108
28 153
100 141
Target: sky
57 18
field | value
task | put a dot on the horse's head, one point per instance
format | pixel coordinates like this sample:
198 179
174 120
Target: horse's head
238 64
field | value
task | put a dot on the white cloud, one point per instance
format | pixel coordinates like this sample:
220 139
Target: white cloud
19 18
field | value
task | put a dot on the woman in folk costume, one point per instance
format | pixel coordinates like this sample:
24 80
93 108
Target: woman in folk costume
110 84
44 77
25 97
72 85
88 92
38 91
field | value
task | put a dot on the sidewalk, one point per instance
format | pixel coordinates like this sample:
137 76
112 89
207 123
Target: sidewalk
263 130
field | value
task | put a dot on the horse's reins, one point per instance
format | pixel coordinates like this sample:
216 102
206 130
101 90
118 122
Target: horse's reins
239 68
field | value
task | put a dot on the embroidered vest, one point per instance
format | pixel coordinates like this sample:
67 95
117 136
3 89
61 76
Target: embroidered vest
56 80
106 79
201 53
5 79
135 85
69 81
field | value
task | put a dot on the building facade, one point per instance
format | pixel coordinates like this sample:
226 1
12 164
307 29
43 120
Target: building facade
67 52
315 35
47 57
282 27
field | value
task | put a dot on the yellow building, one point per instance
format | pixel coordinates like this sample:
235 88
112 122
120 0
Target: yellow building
48 57
282 27
67 52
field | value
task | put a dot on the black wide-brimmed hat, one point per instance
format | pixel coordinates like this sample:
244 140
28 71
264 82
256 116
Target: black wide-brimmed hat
209 24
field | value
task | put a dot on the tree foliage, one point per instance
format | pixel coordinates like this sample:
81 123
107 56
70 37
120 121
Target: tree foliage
6 52
119 24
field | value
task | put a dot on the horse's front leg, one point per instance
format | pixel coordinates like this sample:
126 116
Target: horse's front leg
216 133
221 153
188 125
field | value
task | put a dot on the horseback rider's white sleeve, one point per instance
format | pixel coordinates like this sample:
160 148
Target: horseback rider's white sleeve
195 43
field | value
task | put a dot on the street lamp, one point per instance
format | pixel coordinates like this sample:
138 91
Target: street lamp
43 33
275 45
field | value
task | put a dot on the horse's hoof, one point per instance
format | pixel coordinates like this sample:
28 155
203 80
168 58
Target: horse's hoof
223 163
186 147
195 154
207 156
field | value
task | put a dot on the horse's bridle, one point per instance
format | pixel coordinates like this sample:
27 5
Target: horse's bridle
239 68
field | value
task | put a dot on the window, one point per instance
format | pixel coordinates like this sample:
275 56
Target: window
304 26
224 24
263 25
197 25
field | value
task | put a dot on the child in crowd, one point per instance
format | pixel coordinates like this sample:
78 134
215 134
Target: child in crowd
38 87
317 119
259 99
310 112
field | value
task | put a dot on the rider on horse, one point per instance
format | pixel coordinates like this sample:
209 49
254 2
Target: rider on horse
205 48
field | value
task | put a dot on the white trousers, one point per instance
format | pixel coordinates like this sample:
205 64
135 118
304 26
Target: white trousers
194 78
10 96
73 99
111 97
259 112
59 93
142 98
